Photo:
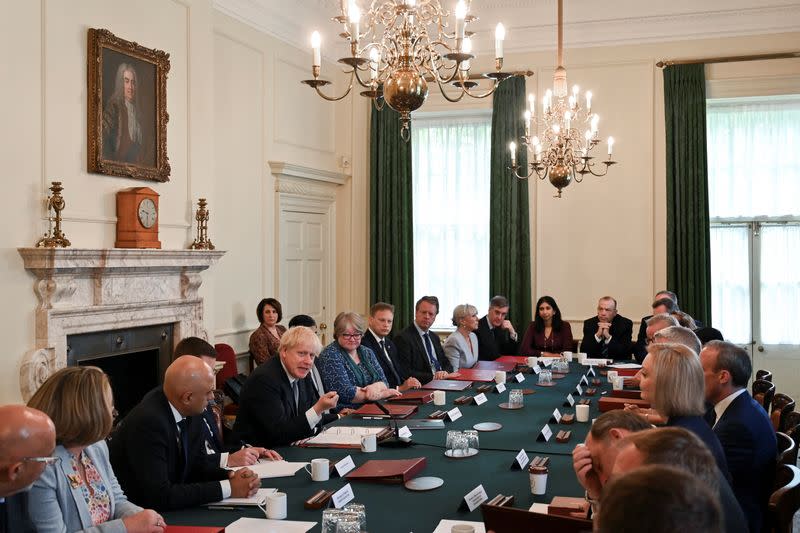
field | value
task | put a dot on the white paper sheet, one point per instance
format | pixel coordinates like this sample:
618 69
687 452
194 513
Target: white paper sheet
343 435
540 508
445 526
626 365
262 525
260 498
267 469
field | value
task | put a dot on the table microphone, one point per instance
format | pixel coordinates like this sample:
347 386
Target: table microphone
395 441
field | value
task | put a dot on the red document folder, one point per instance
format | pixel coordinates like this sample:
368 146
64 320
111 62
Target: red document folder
447 385
470 374
397 411
412 397
495 365
388 470
517 359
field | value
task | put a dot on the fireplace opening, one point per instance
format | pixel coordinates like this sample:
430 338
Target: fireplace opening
135 359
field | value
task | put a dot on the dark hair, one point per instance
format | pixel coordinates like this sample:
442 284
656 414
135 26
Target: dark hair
667 303
302 320
672 296
499 301
734 359
194 346
538 323
619 419
272 302
381 306
678 447
433 300
658 499
684 319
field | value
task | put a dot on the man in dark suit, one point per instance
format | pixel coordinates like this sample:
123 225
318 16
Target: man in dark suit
608 335
376 338
742 426
27 443
496 334
157 451
213 441
419 348
665 303
279 403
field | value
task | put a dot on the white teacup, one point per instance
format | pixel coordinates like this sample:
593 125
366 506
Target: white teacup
438 397
276 505
532 361
500 376
320 469
612 375
618 383
369 443
582 413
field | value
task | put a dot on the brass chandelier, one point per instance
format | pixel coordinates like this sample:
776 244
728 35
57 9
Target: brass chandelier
398 46
569 131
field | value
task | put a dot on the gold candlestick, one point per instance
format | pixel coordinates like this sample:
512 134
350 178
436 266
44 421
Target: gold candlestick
202 242
54 237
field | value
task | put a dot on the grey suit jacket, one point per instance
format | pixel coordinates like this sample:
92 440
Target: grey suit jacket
457 351
57 507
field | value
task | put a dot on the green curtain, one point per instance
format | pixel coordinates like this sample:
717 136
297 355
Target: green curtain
509 224
688 243
391 231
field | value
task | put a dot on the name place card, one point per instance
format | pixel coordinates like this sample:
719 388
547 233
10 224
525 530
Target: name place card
520 377
501 387
344 466
475 498
343 496
570 401
404 432
545 434
520 460
480 399
556 416
454 414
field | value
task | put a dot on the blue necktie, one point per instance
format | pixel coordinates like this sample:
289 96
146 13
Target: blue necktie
429 348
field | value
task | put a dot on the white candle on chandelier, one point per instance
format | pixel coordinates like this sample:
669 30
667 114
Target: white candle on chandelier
513 148
343 6
466 48
575 90
374 63
548 96
572 102
461 14
354 14
532 104
556 129
588 137
316 41
595 120
499 37
537 154
411 4
567 118
610 146
588 101
527 116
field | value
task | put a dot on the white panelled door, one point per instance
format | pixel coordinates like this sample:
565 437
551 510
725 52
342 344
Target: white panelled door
305 270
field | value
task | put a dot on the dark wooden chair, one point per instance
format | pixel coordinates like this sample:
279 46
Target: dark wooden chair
793 425
782 405
785 501
787 449
766 375
763 391
510 520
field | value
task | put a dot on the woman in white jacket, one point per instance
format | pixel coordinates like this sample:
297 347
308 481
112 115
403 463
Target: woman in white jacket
461 347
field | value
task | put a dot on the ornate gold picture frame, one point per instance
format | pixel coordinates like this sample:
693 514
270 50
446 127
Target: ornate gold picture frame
127 112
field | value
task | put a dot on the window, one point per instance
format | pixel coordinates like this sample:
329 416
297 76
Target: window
451 156
754 204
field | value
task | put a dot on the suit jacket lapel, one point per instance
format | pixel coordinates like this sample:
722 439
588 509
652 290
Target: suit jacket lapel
287 390
74 481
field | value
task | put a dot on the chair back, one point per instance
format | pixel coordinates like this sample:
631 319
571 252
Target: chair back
225 353
510 520
763 391
782 405
785 501
766 375
792 427
787 449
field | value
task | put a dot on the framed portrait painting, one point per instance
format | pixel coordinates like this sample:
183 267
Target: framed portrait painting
127 112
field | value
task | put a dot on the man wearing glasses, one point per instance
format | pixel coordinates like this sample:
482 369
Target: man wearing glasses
27 442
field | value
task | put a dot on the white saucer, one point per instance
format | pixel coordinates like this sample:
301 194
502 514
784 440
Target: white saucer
488 426
424 483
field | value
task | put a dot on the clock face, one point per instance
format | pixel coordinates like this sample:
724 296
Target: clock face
147 213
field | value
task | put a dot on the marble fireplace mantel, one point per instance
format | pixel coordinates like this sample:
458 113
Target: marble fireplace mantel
88 290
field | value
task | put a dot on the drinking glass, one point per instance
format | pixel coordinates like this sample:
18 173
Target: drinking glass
545 377
330 517
472 439
460 445
515 396
348 524
450 436
360 510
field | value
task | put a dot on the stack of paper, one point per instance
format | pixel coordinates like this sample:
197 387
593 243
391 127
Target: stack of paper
266 469
342 436
260 498
261 525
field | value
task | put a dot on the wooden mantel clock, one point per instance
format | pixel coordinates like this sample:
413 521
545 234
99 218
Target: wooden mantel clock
137 218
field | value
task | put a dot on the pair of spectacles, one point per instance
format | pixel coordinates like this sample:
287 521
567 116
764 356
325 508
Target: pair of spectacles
352 336
46 460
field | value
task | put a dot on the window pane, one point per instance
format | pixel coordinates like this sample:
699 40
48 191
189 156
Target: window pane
753 160
780 284
730 283
451 211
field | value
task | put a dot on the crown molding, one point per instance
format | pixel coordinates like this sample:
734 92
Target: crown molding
603 24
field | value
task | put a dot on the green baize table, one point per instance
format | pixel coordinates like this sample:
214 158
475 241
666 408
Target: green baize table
391 508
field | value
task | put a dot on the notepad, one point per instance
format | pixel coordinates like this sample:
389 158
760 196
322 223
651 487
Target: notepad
263 525
268 469
342 436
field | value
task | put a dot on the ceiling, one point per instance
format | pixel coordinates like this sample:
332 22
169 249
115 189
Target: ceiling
530 24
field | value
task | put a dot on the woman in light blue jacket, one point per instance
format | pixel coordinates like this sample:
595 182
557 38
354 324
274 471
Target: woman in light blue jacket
80 492
461 347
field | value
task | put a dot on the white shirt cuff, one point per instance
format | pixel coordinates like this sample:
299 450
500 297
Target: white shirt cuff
313 418
598 339
223 460
226 488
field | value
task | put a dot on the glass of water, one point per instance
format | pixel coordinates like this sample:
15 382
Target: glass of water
515 396
330 517
472 439
360 510
545 377
451 435
348 524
